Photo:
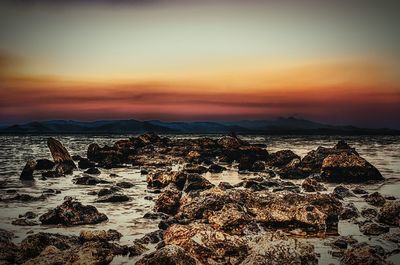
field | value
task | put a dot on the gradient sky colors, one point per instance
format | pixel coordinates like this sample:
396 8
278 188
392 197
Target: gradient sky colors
331 61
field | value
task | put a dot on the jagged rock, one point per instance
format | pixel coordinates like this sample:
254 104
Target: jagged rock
58 151
8 250
258 166
93 171
293 170
73 213
168 201
99 235
195 169
358 190
373 229
137 249
65 168
44 164
24 222
348 167
349 211
28 215
152 237
390 213
88 180
281 158
229 142
362 254
27 171
5 236
275 248
369 213
196 182
311 185
113 197
170 254
342 192
214 168
162 179
225 186
375 199
193 156
107 191
207 245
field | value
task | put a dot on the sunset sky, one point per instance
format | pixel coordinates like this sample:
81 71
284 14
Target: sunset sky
335 62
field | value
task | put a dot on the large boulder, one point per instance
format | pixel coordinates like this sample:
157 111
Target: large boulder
207 245
72 213
348 167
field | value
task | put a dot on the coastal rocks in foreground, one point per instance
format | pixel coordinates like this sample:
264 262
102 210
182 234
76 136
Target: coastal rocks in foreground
72 213
363 254
170 254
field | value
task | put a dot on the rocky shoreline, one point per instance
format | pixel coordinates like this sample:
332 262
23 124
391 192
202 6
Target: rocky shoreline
256 221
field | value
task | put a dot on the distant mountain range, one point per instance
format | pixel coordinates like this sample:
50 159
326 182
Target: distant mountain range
289 125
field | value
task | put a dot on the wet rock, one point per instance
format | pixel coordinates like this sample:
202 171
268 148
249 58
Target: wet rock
193 156
58 151
373 229
168 201
144 171
233 219
28 215
362 254
195 169
88 180
349 211
107 191
293 170
65 168
27 171
258 166
369 213
375 199
214 168
225 186
93 171
358 190
113 197
170 254
162 179
22 198
5 236
342 192
196 182
207 245
343 242
229 142
51 174
107 157
76 157
99 235
348 167
311 185
158 215
33 245
152 237
85 163
390 213
8 250
73 213
24 222
125 185
44 164
281 158
137 249
275 248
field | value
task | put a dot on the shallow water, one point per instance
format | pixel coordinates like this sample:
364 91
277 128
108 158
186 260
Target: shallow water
127 218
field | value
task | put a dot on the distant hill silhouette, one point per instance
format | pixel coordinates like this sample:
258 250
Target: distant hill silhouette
288 125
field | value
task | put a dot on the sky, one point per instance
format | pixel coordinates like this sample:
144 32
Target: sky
335 62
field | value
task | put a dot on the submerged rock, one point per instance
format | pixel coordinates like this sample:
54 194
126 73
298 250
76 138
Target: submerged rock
113 197
170 254
89 180
348 167
93 171
73 213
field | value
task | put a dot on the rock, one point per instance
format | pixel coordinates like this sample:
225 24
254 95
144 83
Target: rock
5 236
65 168
85 163
99 235
196 182
24 222
113 197
107 191
362 254
225 186
168 201
149 138
311 185
258 166
293 170
162 179
390 213
8 250
207 245
358 190
229 142
93 171
342 192
125 185
373 229
88 180
193 156
281 158
58 152
348 167
349 211
369 213
275 248
195 169
27 171
73 213
152 237
51 174
170 254
33 245
375 199
44 164
22 198
76 157
214 168
137 249
245 163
